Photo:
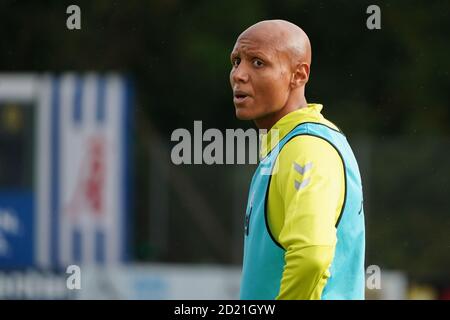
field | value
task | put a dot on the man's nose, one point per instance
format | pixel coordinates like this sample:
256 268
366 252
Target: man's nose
240 74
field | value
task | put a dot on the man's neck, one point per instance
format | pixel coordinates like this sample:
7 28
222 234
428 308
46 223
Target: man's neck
269 121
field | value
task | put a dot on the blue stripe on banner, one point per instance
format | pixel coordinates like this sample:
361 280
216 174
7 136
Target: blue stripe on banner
100 114
100 247
76 237
78 95
54 180
127 104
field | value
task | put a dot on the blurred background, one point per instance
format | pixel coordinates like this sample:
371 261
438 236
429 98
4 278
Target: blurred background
86 118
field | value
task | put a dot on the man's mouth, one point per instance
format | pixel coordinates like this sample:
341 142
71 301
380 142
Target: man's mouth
240 96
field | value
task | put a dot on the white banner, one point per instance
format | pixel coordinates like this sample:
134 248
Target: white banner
82 170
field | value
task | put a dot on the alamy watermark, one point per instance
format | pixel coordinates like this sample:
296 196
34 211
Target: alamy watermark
374 20
73 21
73 281
213 146
373 277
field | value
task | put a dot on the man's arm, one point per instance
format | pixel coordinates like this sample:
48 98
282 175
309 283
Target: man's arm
311 186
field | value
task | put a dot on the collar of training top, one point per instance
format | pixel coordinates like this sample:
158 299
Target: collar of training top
312 113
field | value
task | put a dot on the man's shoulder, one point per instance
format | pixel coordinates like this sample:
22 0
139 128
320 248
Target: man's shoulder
330 124
311 114
321 121
304 150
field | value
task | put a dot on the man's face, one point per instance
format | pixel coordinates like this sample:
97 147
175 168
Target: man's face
260 77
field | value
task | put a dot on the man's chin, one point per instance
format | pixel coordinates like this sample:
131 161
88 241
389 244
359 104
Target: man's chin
242 115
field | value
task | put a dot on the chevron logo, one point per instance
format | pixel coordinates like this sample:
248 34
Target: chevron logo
302 170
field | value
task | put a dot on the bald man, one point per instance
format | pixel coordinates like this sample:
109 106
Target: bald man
304 224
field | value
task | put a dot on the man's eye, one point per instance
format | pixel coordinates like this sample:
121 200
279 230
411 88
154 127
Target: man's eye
236 62
258 63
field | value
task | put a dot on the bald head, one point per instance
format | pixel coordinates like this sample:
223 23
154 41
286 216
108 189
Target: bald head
284 36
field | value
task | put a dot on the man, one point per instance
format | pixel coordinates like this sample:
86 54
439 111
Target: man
304 234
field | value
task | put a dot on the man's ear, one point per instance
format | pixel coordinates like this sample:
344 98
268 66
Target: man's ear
300 76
